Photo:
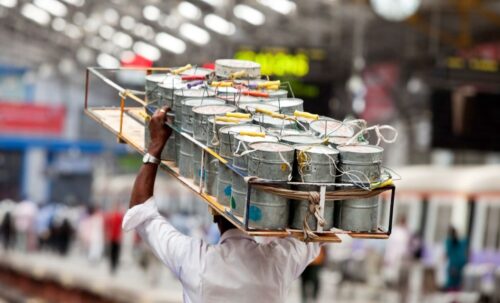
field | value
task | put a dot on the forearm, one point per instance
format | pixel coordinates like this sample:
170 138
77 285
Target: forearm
145 181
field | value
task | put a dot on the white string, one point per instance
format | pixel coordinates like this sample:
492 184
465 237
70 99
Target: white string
215 139
380 137
287 164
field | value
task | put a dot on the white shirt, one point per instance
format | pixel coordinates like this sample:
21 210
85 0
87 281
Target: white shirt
237 269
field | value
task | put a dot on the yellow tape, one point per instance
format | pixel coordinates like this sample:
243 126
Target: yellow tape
279 116
237 75
221 83
227 119
306 115
252 134
238 115
272 87
268 84
264 111
182 69
381 184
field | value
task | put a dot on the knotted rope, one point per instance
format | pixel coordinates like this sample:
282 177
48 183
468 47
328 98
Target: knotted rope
313 209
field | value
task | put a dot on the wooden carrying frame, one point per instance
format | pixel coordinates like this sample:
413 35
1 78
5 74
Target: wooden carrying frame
127 123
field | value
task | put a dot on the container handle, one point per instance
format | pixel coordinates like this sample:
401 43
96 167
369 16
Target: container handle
238 115
182 69
306 115
252 134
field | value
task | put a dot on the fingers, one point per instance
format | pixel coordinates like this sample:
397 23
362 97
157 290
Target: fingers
160 114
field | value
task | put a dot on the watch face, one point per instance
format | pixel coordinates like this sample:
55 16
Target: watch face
395 10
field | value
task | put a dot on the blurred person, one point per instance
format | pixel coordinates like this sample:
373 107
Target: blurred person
113 228
7 231
397 257
237 269
310 279
456 253
91 234
43 222
24 220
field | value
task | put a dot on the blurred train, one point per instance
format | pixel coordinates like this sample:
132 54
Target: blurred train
432 199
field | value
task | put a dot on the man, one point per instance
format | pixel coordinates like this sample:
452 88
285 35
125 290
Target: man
237 269
114 236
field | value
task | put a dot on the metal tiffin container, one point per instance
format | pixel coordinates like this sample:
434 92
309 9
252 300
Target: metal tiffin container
339 141
152 82
277 94
179 96
327 127
227 68
270 161
240 147
358 215
168 153
228 93
166 91
242 99
360 165
288 106
305 118
272 122
227 137
186 146
224 174
203 133
314 164
253 107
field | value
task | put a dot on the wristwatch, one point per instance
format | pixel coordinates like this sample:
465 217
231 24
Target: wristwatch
148 158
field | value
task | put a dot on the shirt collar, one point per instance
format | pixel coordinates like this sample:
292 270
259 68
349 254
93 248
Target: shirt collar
234 233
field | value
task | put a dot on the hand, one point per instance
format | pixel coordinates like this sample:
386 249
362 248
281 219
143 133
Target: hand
159 131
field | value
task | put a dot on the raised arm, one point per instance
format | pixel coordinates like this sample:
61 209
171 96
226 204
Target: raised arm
145 180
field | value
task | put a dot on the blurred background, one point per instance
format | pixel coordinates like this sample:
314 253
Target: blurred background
430 68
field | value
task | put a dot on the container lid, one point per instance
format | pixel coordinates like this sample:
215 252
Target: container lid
271 147
225 67
270 120
286 132
360 149
194 93
159 78
224 90
287 102
317 149
198 71
213 110
246 99
251 139
280 93
333 128
301 139
172 83
204 101
245 127
250 107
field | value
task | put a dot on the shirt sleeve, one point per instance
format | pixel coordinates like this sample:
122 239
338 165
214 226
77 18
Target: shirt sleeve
296 255
169 245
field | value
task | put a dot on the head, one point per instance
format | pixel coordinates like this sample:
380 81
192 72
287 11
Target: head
221 222
452 234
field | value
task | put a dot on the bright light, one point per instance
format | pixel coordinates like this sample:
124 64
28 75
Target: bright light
54 7
92 25
84 55
194 33
147 51
107 61
8 3
127 56
127 22
75 2
170 43
79 18
36 14
106 32
151 13
215 2
219 25
122 40
189 10
111 16
73 31
171 21
249 14
58 24
284 7
145 31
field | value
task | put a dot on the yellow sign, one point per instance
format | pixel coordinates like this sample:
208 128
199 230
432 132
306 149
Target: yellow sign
277 63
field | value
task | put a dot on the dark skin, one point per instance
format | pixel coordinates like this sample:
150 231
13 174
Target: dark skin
144 182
